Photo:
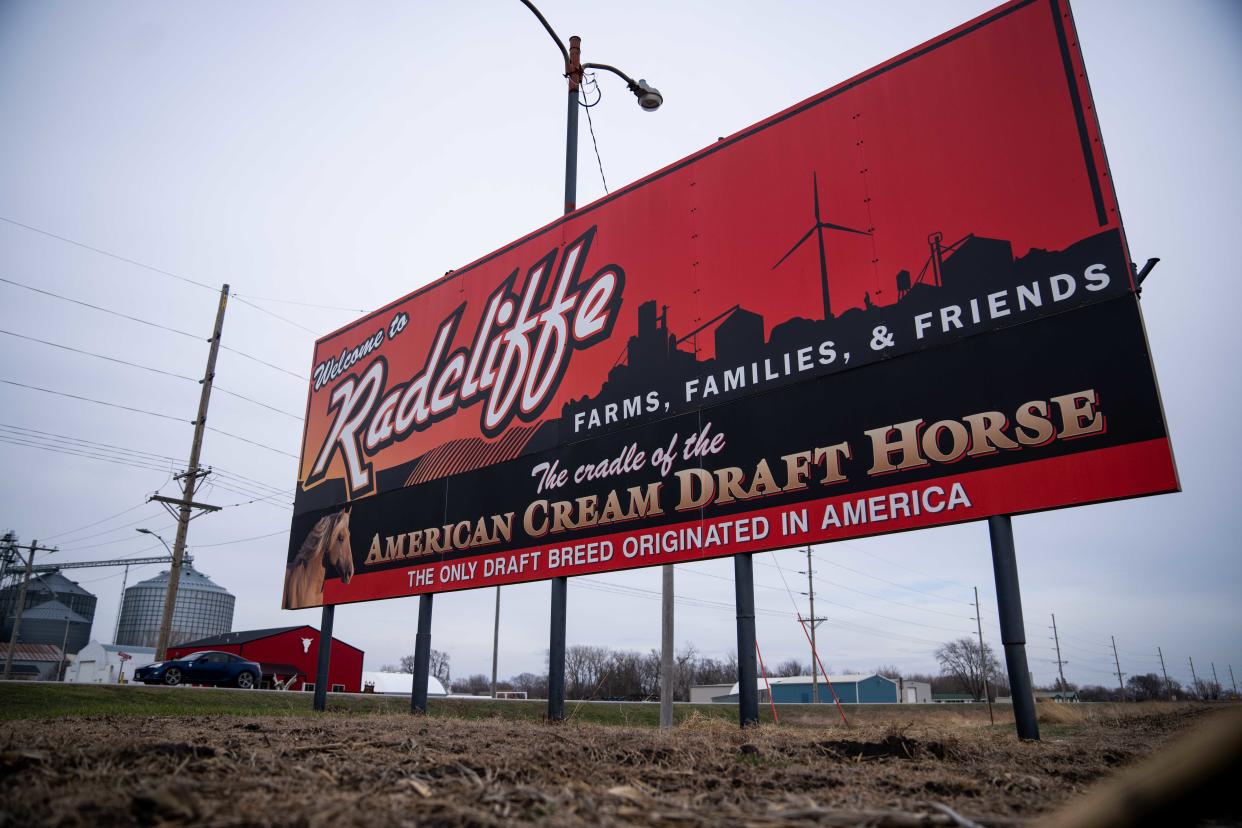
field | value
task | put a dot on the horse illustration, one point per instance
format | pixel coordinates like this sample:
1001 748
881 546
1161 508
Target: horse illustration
327 543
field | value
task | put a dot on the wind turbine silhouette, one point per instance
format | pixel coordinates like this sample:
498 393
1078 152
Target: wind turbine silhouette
818 229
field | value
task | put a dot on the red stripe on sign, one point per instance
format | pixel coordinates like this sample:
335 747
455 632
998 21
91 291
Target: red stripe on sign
1088 477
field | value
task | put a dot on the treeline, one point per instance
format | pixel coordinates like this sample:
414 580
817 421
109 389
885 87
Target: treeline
602 673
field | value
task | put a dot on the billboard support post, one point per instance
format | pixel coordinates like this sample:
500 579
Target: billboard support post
747 668
556 643
325 656
666 648
556 651
1013 632
422 655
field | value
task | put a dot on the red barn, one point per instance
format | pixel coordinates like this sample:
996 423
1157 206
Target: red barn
285 653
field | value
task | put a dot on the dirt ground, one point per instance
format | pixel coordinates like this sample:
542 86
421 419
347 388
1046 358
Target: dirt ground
382 769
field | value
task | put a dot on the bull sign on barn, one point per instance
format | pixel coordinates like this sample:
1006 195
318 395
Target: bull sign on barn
904 302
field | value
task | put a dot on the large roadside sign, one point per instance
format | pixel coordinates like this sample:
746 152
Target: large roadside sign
904 302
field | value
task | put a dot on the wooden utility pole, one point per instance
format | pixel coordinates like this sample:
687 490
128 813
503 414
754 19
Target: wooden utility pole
1215 681
189 479
1120 681
1168 685
983 660
1060 663
667 683
1233 681
1193 678
20 607
812 622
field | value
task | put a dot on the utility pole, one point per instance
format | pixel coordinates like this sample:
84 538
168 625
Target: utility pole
667 684
1168 685
64 662
495 642
6 555
116 633
1215 680
1194 678
20 607
189 479
812 622
1060 663
1120 683
983 660
1233 681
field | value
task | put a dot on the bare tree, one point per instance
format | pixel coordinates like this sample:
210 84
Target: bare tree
791 667
963 660
438 666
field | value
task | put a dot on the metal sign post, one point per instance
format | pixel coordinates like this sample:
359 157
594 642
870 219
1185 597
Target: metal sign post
325 655
422 655
1013 631
747 668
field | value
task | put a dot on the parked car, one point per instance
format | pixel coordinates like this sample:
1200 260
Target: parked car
207 667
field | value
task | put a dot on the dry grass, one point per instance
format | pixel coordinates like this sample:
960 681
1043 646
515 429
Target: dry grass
387 769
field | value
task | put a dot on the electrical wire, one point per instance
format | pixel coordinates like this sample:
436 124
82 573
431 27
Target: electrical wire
97 402
217 387
112 255
295 302
886 581
98 356
240 353
103 309
96 523
310 331
242 540
591 127
251 442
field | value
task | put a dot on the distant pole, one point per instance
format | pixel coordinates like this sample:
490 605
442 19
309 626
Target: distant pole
1232 680
1060 663
1120 682
1013 630
325 656
983 659
64 642
1215 680
810 585
116 632
422 655
747 668
666 649
20 608
1194 678
1168 685
496 642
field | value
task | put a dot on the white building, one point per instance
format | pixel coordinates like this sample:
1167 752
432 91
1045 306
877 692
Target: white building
98 663
398 684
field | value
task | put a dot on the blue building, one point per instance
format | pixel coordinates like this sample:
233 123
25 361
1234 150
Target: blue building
850 689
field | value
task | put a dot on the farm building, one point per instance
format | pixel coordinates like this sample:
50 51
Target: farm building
286 653
397 684
914 692
203 608
99 663
35 662
54 606
867 688
704 693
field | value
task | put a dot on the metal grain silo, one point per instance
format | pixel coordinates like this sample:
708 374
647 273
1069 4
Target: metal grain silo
203 608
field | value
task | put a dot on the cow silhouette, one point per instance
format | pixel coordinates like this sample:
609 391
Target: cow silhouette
327 543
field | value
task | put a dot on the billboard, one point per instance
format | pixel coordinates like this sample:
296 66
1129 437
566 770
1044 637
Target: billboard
903 302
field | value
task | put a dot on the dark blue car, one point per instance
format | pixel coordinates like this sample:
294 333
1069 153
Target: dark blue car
207 667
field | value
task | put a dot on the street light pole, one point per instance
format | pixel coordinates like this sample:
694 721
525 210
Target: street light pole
650 99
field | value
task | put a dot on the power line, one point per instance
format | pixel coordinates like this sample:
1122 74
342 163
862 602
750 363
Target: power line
591 127
310 331
149 323
251 442
96 523
149 368
294 374
92 400
109 543
296 302
886 581
102 309
98 356
241 540
111 255
4 438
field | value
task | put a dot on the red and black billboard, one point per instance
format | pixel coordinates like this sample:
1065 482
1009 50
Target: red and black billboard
904 302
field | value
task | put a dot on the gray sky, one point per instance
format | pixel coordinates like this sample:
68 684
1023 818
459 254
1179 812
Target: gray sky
345 154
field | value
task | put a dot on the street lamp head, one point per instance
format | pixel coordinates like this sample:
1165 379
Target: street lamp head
649 98
145 531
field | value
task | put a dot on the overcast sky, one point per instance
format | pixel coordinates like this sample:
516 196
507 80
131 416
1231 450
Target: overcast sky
343 154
